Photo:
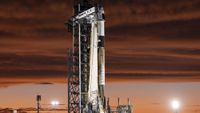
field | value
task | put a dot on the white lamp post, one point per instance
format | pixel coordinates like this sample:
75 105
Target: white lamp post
175 105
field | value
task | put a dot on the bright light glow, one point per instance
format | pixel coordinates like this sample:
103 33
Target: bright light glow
55 103
175 104
14 111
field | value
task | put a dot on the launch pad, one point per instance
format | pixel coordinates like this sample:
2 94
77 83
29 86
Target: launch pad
86 61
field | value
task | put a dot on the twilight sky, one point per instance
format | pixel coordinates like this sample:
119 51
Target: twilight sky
155 42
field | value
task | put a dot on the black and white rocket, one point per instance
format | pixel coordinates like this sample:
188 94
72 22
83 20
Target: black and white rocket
86 80
88 25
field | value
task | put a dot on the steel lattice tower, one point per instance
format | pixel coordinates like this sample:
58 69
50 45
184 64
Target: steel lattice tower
86 62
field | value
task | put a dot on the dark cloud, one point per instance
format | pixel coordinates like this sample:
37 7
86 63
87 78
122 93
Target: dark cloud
154 77
32 72
166 30
6 34
51 32
184 51
32 59
26 65
156 60
45 83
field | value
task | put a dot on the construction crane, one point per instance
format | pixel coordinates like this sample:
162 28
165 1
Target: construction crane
86 63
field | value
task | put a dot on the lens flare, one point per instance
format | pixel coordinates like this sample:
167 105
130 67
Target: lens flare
175 104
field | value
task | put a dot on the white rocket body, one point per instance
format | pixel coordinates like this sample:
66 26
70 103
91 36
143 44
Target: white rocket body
97 65
101 28
93 77
101 33
102 66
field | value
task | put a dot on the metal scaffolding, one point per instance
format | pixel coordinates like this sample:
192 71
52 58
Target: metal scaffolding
86 62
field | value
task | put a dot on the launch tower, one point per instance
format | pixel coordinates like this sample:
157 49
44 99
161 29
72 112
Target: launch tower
86 63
